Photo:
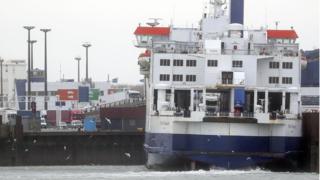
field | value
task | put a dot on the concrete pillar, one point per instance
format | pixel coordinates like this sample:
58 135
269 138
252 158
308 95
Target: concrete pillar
193 165
204 93
255 100
266 102
172 98
283 104
191 100
232 100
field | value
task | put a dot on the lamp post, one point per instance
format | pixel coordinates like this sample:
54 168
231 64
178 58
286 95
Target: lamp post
31 52
1 82
29 28
87 45
78 59
45 68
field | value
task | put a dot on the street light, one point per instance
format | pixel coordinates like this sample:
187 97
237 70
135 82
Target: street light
78 59
29 28
45 68
1 82
31 52
87 45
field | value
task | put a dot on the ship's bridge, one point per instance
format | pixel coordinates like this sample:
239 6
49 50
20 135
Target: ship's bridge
279 42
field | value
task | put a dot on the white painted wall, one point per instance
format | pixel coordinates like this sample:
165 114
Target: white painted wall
184 34
12 70
184 70
264 72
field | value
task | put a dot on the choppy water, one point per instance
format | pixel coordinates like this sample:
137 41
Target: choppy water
139 173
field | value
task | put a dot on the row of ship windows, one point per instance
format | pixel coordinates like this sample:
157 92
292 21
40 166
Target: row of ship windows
275 80
214 63
178 62
178 77
193 78
276 65
193 63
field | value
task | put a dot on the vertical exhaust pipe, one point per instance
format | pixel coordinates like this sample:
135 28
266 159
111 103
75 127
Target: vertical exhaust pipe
236 11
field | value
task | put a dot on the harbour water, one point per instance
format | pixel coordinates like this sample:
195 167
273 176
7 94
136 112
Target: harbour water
140 173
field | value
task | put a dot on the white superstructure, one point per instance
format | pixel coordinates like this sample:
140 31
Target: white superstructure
220 79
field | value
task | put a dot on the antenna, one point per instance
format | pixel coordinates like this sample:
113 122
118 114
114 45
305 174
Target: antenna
60 72
217 7
277 24
155 22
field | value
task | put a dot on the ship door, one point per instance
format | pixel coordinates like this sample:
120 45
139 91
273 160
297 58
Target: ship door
227 77
182 99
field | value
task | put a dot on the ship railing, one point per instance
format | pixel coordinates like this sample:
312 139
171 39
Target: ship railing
127 102
176 47
238 52
287 50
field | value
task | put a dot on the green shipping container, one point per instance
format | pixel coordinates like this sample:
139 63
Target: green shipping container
94 94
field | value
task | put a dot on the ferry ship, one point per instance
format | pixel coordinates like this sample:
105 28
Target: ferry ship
220 94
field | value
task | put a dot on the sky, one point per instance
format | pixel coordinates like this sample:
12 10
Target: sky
109 25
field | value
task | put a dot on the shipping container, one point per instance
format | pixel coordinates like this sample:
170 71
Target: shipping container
65 116
30 121
123 118
83 94
68 94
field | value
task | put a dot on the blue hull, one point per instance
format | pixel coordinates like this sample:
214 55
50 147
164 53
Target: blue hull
223 151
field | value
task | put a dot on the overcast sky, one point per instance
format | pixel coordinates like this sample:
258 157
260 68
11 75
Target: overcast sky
109 26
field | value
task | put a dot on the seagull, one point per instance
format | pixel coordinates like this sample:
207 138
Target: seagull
248 158
34 141
65 147
128 155
26 150
108 120
68 157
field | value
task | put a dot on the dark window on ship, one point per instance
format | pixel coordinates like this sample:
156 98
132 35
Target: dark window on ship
273 80
164 62
178 62
191 78
235 47
287 80
164 77
191 63
177 77
101 93
237 64
274 65
212 63
287 65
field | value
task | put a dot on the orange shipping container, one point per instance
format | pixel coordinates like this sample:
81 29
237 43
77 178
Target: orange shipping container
68 94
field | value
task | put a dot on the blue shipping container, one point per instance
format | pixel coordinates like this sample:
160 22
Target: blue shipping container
28 114
83 94
239 97
90 125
